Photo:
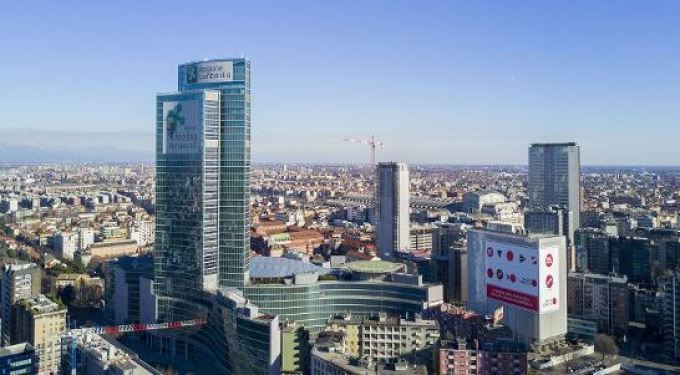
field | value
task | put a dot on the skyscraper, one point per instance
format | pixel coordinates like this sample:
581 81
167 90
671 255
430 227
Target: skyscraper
554 178
392 211
202 184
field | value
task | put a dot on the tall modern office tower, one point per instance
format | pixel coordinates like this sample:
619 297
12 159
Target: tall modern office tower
554 178
392 209
202 184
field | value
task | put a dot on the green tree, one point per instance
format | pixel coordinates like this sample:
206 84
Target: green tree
77 265
606 345
67 295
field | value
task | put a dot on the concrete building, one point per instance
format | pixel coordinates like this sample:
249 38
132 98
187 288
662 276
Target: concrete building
328 357
475 200
458 357
85 238
17 359
671 315
113 248
142 231
529 325
19 281
420 238
549 220
631 256
129 288
449 267
40 322
102 355
601 298
392 209
295 349
65 244
593 252
383 338
555 178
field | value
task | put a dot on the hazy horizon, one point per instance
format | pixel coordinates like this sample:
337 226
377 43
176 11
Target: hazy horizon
440 83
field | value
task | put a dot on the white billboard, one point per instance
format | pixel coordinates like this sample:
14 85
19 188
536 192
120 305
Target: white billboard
182 127
521 276
210 72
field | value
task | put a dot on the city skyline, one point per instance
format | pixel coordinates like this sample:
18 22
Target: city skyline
492 80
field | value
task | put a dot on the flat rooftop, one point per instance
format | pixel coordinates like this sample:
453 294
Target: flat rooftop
374 266
273 267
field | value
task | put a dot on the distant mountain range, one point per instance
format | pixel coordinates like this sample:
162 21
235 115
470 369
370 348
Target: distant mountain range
40 146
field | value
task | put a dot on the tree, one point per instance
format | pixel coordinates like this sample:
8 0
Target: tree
606 345
77 265
67 294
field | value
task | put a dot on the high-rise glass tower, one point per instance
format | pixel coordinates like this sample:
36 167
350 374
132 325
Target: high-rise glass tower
202 184
555 178
392 209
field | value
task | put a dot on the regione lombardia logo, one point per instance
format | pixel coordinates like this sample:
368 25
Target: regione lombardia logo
192 74
173 119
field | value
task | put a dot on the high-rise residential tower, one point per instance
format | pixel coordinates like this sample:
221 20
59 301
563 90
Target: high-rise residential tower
202 184
19 281
392 209
554 178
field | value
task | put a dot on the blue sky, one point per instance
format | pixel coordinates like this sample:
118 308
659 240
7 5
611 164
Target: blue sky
442 82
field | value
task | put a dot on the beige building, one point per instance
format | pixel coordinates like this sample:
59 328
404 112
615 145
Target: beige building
113 249
41 322
383 339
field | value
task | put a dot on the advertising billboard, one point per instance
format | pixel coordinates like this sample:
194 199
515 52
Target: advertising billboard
210 72
521 276
182 127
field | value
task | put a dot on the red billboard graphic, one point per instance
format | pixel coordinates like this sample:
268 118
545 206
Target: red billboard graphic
523 276
512 297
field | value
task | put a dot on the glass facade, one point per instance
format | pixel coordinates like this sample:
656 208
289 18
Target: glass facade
311 305
232 79
186 196
202 185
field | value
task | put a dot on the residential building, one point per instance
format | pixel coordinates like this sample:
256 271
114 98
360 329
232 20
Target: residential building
593 252
420 238
384 339
631 256
143 232
102 355
19 281
65 244
458 357
601 298
295 349
328 357
40 322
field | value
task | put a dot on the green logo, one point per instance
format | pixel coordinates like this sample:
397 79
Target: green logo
192 74
173 119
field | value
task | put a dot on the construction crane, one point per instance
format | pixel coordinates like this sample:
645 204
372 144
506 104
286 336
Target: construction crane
70 337
371 142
